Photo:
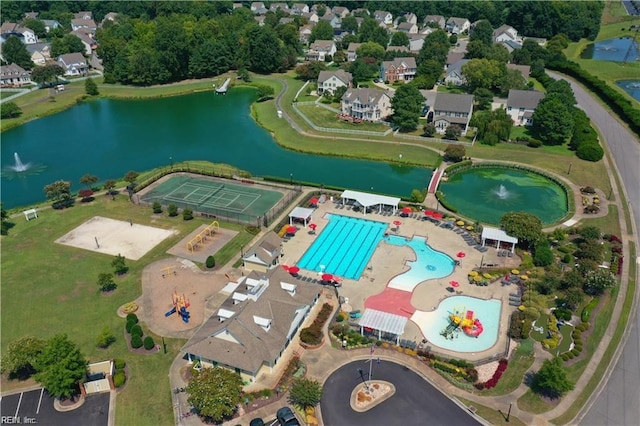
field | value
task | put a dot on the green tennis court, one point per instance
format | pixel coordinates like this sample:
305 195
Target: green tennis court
214 197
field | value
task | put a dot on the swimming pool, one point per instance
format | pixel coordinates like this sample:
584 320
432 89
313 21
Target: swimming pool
344 247
486 311
429 264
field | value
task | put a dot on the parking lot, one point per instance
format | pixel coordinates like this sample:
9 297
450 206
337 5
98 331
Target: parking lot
36 407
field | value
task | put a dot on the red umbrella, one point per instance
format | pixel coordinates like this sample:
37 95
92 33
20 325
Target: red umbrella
285 267
314 200
294 270
407 210
454 283
291 230
428 213
313 226
461 254
397 223
327 277
437 215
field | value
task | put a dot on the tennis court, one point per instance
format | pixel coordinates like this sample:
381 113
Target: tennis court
213 197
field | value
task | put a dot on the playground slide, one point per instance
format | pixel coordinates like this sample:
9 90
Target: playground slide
171 312
470 315
476 330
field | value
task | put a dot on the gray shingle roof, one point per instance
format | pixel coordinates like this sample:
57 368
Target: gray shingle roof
453 102
366 96
344 76
527 99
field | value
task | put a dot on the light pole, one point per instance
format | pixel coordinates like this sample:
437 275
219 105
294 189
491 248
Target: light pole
171 162
363 379
291 178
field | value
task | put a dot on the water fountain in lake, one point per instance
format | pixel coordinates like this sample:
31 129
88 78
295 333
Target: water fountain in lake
502 192
19 168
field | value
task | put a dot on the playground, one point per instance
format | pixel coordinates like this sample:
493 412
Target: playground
203 241
243 200
110 236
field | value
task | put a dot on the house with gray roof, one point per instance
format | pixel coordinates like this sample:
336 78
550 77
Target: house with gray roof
14 75
521 104
257 7
452 58
299 8
352 54
383 17
257 321
366 104
330 81
282 6
400 69
51 24
340 11
26 35
457 25
320 49
437 19
454 75
87 40
73 64
89 24
408 28
40 53
83 15
452 109
265 254
332 19
505 33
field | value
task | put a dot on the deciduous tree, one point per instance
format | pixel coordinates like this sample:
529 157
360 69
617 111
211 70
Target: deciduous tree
551 380
407 105
20 356
305 393
61 367
371 49
58 190
552 121
455 152
10 110
106 283
90 87
14 51
598 281
46 74
321 31
482 32
526 227
399 38
215 393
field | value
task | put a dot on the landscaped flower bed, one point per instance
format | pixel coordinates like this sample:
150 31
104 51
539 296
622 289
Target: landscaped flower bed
312 335
493 381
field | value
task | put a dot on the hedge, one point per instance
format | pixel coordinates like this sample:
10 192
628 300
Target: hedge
119 363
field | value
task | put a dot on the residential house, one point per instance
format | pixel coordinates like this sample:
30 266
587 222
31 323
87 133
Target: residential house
521 104
525 70
88 24
408 17
109 17
339 34
299 9
51 24
312 17
408 28
285 20
437 19
237 6
73 64
366 104
320 49
505 33
31 15
429 102
14 76
415 42
252 328
87 40
86 15
332 19
352 54
383 17
403 49
340 12
450 109
304 32
40 53
511 45
282 6
400 69
457 25
265 255
452 58
260 19
26 35
329 81
453 74
257 7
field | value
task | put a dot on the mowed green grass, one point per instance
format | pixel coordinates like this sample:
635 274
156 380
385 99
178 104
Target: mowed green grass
322 117
49 288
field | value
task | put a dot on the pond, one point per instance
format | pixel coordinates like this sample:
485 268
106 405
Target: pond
107 138
621 49
632 87
487 193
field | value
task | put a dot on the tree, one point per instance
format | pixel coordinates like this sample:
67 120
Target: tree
47 74
370 30
69 43
106 283
349 23
310 70
215 393
483 98
552 121
429 130
305 393
105 338
15 52
573 298
20 356
210 58
244 75
436 46
131 177
563 90
108 186
513 79
399 38
452 132
119 265
61 367
36 25
264 92
484 73
430 69
362 69
542 255
90 87
88 180
598 281
265 52
551 380
589 233
482 32
321 31
59 190
526 227
4 217
590 151
10 110
455 152
407 105
371 49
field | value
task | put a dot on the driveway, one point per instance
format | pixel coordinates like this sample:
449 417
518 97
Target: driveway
415 401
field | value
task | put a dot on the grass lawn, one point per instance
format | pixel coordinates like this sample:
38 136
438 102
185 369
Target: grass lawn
445 88
492 416
532 403
49 288
518 132
322 117
518 365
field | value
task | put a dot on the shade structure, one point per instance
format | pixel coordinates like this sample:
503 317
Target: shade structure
313 201
313 226
397 223
294 270
454 283
461 254
327 277
407 210
291 229
437 215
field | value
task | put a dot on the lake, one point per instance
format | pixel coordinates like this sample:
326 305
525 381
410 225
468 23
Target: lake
107 138
619 49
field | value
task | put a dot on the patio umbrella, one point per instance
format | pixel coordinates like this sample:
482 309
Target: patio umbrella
313 226
294 270
461 254
437 215
314 201
327 277
454 283
397 223
407 210
285 267
291 230
428 213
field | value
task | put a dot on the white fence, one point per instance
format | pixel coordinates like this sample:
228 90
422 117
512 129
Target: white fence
334 130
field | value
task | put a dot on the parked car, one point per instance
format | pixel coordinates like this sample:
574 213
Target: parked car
256 422
286 417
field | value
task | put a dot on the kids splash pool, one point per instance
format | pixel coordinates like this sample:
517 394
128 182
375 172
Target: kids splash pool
437 325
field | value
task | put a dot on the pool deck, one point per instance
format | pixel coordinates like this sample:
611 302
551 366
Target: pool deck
388 261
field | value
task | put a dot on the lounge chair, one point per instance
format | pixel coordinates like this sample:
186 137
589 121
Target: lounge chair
510 254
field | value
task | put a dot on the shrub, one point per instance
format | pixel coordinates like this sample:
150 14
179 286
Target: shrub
149 343
187 214
341 317
132 317
173 210
129 325
565 356
105 338
157 207
590 152
119 379
567 258
136 330
119 363
136 341
211 262
311 335
534 143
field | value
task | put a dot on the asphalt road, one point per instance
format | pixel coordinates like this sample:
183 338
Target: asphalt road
415 401
619 400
